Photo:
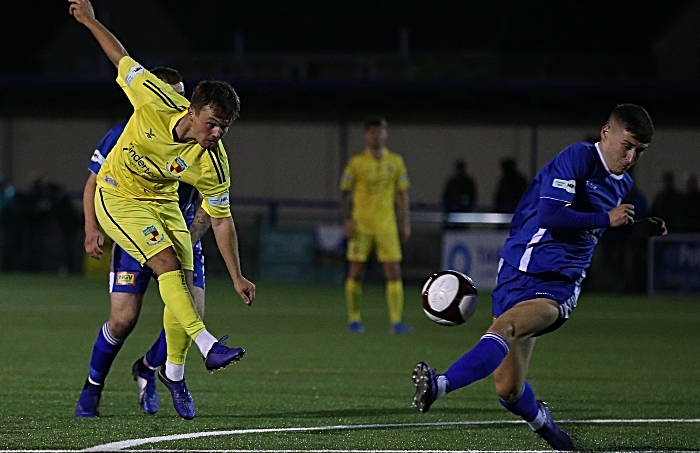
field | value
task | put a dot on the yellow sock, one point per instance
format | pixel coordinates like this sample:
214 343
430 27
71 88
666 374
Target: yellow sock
353 295
177 340
176 296
394 300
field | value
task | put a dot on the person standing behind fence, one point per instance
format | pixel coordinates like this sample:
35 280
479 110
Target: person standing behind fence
374 182
459 193
690 202
511 187
667 202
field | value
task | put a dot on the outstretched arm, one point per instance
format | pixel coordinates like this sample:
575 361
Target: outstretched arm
84 13
227 241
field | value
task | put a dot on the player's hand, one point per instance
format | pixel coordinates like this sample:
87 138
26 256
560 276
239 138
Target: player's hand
246 289
651 226
94 240
621 215
348 228
82 10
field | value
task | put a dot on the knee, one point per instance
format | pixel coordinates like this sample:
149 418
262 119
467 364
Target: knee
508 392
121 327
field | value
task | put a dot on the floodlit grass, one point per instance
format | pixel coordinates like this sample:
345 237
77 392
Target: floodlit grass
619 358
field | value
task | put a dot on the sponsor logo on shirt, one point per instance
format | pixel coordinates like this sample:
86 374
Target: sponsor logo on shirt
221 201
154 236
176 167
569 186
139 161
591 186
126 278
109 180
133 72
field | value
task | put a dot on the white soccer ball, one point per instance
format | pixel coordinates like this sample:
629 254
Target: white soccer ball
449 298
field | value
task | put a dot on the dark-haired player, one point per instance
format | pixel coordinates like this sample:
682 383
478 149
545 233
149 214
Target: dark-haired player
128 282
167 140
555 228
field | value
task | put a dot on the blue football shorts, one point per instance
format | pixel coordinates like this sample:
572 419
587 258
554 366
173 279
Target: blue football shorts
514 286
126 275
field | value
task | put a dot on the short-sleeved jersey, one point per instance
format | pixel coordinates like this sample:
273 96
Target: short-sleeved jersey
187 194
374 183
579 177
149 160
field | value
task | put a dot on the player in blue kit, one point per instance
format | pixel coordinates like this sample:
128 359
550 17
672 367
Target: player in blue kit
128 281
555 228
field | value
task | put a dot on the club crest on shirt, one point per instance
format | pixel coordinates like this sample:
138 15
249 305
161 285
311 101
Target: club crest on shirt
126 278
176 167
154 236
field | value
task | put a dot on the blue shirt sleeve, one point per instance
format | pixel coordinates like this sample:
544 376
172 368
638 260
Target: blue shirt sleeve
559 179
555 214
104 147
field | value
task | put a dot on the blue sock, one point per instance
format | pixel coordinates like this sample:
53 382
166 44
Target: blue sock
158 353
103 354
525 406
479 362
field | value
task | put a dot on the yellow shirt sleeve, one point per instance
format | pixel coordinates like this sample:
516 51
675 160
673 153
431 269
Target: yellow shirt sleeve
142 87
215 183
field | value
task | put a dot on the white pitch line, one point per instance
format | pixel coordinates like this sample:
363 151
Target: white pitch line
114 446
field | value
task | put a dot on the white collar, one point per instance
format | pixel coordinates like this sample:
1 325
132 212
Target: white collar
600 154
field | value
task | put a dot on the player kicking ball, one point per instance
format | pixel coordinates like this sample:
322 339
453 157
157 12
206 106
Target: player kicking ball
168 140
572 200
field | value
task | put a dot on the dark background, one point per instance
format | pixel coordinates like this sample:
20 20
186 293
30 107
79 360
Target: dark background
502 61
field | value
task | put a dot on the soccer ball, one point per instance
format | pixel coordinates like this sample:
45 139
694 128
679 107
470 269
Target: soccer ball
449 298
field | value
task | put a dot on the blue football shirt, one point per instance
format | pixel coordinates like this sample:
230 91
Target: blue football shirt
579 177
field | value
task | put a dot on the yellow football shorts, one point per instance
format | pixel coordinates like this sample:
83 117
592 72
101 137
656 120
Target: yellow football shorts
144 228
387 244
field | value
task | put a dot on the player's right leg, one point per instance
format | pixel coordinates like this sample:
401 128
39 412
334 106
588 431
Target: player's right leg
518 320
359 247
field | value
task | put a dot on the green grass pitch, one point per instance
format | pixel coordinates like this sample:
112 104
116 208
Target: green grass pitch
620 358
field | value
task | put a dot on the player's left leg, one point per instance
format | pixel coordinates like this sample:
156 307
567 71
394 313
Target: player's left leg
389 254
516 395
145 367
395 297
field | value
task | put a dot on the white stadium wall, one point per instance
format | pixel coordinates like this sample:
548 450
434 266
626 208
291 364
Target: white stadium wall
303 160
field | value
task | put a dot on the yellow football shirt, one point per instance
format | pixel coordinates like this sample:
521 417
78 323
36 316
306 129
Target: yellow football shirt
147 161
374 183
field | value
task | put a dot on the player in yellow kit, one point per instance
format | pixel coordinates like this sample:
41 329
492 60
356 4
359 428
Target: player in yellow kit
373 184
166 140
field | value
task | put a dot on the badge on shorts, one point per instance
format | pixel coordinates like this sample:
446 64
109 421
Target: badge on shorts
126 278
154 236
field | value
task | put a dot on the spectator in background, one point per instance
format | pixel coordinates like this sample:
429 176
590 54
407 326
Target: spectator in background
511 187
459 194
668 202
690 204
